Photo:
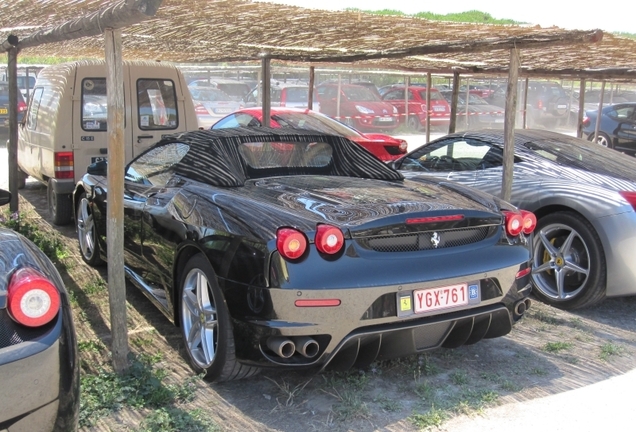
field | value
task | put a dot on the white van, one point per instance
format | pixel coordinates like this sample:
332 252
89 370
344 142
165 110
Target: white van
64 129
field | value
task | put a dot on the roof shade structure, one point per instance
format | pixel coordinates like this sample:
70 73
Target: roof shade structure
206 31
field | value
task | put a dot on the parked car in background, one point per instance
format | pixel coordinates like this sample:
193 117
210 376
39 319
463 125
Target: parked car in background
617 129
584 198
417 110
479 114
270 248
282 95
4 105
39 364
357 107
210 104
384 147
236 89
548 104
480 90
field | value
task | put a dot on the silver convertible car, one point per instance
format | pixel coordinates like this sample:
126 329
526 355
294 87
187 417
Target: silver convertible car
583 194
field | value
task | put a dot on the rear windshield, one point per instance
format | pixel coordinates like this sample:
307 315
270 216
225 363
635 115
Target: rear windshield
284 155
360 94
297 94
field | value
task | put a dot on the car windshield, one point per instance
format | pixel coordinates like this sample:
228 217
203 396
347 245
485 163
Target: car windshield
360 94
209 94
313 121
237 91
578 153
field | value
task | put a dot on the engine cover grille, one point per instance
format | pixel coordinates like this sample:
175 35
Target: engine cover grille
425 240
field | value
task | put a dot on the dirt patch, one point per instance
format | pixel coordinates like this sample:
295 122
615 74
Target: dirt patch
549 351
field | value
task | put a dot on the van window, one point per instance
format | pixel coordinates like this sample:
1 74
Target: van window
32 119
157 104
94 104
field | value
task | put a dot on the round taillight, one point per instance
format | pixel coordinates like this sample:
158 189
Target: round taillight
514 223
33 300
329 239
529 221
403 146
291 243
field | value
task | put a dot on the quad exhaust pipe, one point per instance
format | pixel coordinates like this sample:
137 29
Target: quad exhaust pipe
285 347
522 306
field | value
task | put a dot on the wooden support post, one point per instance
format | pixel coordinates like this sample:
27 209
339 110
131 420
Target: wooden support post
454 100
267 95
579 120
12 72
312 78
599 112
525 104
338 98
466 98
429 82
509 125
407 84
115 208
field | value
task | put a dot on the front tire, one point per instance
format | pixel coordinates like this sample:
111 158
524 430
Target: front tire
569 270
205 324
87 233
60 206
413 123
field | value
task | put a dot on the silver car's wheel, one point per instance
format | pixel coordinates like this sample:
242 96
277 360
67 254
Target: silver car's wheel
569 267
87 233
205 324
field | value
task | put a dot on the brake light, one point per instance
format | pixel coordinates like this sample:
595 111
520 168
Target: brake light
403 146
63 162
514 223
630 197
431 219
291 243
586 121
540 104
329 239
33 300
22 106
317 303
200 109
529 222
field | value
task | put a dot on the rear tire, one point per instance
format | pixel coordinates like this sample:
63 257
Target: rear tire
60 206
22 176
87 233
206 327
602 139
569 270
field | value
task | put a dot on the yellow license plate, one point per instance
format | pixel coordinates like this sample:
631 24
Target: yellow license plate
3 111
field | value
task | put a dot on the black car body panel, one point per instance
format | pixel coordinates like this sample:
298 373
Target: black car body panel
383 260
39 367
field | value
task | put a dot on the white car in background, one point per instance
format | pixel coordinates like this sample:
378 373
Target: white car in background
211 104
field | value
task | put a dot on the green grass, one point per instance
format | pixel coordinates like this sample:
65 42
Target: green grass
177 420
609 350
142 386
472 16
432 418
556 347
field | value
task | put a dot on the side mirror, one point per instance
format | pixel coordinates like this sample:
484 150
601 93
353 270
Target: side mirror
5 197
98 168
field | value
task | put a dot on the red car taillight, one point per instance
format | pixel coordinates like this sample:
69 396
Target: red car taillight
516 223
33 300
529 221
540 104
291 243
22 106
64 166
403 146
329 239
586 121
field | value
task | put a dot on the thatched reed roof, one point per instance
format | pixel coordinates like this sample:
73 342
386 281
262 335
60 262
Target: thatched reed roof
205 31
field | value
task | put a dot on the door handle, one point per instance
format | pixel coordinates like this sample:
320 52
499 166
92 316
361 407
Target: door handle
140 137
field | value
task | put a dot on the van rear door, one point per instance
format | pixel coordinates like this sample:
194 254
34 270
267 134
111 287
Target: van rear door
159 107
90 115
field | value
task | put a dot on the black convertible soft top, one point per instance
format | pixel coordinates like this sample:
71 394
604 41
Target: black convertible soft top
214 156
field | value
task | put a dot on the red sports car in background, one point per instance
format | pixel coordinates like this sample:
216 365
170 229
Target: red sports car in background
384 147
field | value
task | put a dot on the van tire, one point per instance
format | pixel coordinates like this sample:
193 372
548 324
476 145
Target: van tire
60 206
22 176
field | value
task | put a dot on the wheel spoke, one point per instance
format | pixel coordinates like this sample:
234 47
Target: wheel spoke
194 336
567 244
546 266
203 296
190 302
575 268
559 275
547 244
